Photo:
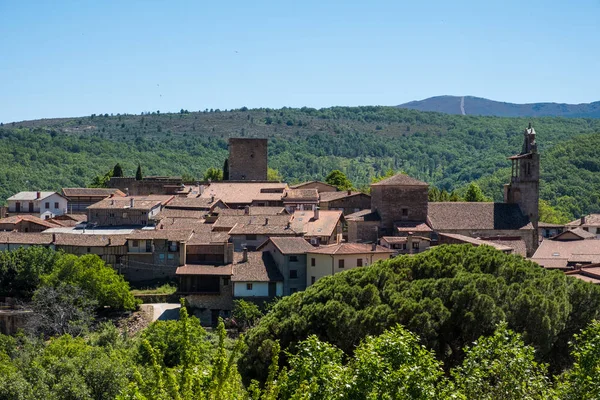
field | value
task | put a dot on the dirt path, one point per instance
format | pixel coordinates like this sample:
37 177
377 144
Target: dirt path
462 105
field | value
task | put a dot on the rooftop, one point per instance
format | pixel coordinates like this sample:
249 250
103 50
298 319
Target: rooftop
466 215
291 195
325 225
350 248
364 215
192 203
66 239
25 238
400 180
253 211
142 203
331 196
30 196
586 221
245 192
477 242
291 245
91 192
15 219
260 267
571 251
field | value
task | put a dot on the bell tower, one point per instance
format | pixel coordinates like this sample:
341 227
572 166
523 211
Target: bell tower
524 186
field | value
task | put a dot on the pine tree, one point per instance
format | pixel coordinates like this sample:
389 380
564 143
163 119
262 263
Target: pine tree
226 170
117 171
138 173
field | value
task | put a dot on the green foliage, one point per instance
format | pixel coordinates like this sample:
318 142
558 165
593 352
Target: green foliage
551 214
475 194
214 174
117 171
90 273
138 173
101 181
274 175
449 296
226 170
388 174
21 270
338 179
245 313
438 195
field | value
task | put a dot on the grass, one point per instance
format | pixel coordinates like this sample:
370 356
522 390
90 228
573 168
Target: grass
167 288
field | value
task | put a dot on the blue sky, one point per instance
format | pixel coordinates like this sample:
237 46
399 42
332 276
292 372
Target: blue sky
74 58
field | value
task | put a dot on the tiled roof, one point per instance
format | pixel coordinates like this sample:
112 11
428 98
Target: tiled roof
25 238
263 225
291 245
30 196
15 219
291 195
363 215
485 216
91 192
350 248
400 180
197 225
244 192
590 220
208 238
301 185
193 269
412 227
260 267
192 203
589 273
143 203
476 242
176 213
229 221
571 251
173 235
578 232
394 239
549 225
325 225
331 196
552 263
67 239
518 245
253 211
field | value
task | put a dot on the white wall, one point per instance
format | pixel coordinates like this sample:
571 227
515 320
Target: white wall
323 263
259 289
55 198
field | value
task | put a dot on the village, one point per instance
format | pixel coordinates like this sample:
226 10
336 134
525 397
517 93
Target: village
254 239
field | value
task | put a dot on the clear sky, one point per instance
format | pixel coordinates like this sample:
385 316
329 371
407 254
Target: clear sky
74 58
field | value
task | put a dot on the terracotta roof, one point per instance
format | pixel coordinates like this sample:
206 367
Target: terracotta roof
244 192
290 245
412 227
325 225
589 273
518 245
570 251
400 180
193 269
260 267
254 211
25 238
364 215
67 239
143 203
476 242
331 196
292 195
394 239
578 232
197 225
192 203
173 235
229 221
263 225
590 220
549 225
30 196
91 192
300 185
350 248
175 213
199 238
552 263
465 215
15 219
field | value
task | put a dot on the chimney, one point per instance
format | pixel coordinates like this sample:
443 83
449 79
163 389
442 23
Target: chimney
349 192
245 255
583 220
54 238
38 195
374 246
109 242
212 198
289 225
131 202
110 196
247 210
112 202
266 221
316 213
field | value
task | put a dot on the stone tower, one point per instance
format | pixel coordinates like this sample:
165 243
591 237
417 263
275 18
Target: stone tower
247 159
524 185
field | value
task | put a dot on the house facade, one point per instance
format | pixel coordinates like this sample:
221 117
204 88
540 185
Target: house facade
289 255
127 211
42 204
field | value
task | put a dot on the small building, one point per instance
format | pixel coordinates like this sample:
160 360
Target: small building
300 199
251 231
14 240
256 276
25 223
589 223
37 203
569 250
289 254
79 199
241 194
546 230
111 249
127 211
329 260
363 226
319 227
321 187
349 202
405 244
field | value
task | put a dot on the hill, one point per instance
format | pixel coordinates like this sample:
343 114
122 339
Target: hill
469 105
447 151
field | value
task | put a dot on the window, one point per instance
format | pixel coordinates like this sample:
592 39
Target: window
148 246
136 243
88 249
312 262
312 280
56 204
124 215
359 262
250 237
293 258
161 257
111 214
293 274
415 245
340 263
405 212
248 286
47 205
225 281
18 207
173 246
170 256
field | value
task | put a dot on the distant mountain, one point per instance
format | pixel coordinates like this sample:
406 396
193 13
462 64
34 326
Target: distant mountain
469 105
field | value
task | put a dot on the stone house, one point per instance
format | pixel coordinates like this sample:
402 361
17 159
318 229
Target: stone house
79 199
111 249
569 250
43 204
247 159
252 231
546 230
300 199
25 223
349 202
127 211
589 223
329 260
241 194
405 244
289 255
149 185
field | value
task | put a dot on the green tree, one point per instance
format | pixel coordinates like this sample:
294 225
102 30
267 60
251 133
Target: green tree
138 173
338 179
21 270
388 174
214 174
550 214
245 313
475 194
117 171
226 170
274 175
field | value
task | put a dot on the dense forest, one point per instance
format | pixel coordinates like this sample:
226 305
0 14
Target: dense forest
457 322
447 151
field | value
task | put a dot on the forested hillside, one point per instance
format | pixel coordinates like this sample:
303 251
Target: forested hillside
447 151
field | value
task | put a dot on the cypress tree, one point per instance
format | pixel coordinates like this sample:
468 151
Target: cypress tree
138 173
226 170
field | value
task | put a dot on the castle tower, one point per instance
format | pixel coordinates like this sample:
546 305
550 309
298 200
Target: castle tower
247 159
524 185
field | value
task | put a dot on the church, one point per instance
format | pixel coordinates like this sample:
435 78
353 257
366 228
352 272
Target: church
400 207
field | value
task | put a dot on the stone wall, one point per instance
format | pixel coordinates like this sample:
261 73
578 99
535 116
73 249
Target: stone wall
363 231
529 236
147 186
348 205
205 305
247 159
399 203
